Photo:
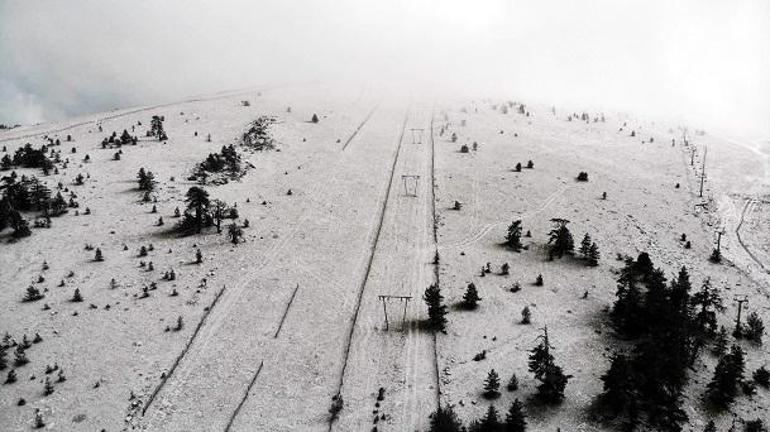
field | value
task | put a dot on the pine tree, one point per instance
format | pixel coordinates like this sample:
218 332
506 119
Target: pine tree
720 342
47 387
492 385
11 377
146 180
560 239
515 420
3 357
197 215
513 238
20 356
755 328
526 315
761 376
314 119
585 246
619 385
593 255
723 388
33 294
98 256
76 296
471 297
489 423
436 310
710 427
513 383
706 303
551 377
198 256
234 233
38 422
444 419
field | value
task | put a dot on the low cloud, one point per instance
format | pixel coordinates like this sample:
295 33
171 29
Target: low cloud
697 61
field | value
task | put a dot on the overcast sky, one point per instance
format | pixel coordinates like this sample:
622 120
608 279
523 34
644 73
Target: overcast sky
706 62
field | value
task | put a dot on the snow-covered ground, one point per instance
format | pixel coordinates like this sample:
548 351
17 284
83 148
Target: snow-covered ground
299 318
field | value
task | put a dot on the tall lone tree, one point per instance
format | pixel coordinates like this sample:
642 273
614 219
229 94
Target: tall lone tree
197 214
436 309
560 239
513 237
552 379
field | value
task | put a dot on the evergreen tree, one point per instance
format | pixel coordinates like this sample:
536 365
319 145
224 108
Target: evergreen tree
526 315
585 246
706 303
47 387
197 215
720 342
761 376
20 356
551 377
76 296
471 297
515 420
619 386
593 255
756 425
755 328
492 385
198 256
314 119
38 422
513 238
98 255
513 383
146 180
723 388
489 423
156 128
436 310
444 419
3 357
33 294
234 233
560 239
710 427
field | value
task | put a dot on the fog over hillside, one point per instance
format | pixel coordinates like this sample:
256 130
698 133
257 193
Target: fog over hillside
703 62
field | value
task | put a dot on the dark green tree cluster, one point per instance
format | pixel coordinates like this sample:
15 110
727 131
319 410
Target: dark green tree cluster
227 160
668 327
560 239
257 136
114 141
28 157
28 195
444 419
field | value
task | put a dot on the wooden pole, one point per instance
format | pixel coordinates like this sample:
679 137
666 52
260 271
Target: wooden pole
385 309
703 172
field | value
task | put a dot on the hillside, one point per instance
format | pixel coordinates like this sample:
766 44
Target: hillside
277 323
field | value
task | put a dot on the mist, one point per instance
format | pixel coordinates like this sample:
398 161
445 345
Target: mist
705 63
